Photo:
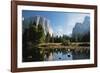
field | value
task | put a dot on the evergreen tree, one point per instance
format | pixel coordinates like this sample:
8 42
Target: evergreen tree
48 37
40 35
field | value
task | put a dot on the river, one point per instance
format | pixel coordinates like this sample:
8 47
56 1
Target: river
56 55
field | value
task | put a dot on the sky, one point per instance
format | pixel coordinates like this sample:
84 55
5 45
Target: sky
62 23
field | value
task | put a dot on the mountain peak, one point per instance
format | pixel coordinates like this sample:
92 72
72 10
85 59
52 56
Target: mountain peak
81 28
39 20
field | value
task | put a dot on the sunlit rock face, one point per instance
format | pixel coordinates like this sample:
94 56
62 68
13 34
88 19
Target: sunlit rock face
39 20
81 28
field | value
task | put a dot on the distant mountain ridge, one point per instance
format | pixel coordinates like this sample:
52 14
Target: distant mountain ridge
39 20
81 29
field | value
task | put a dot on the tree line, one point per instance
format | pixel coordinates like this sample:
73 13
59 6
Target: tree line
35 34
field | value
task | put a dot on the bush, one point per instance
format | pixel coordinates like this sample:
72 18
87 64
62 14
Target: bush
66 42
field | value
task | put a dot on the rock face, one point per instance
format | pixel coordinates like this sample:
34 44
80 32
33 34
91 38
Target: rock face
39 20
81 29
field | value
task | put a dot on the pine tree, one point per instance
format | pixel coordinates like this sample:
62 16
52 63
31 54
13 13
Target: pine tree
40 35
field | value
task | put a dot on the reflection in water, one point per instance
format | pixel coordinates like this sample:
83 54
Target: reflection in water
58 56
39 54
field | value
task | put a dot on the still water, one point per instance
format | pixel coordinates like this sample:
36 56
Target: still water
56 55
59 56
